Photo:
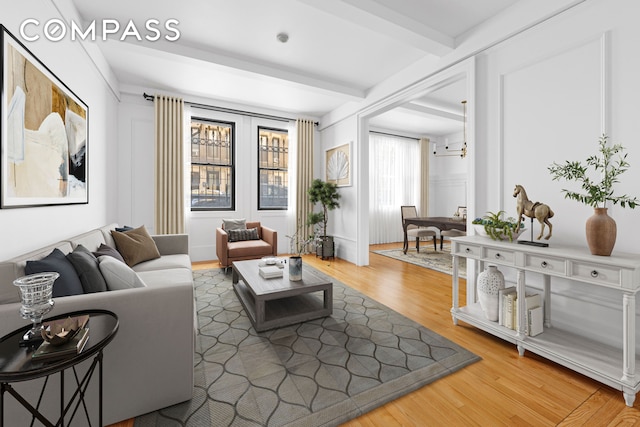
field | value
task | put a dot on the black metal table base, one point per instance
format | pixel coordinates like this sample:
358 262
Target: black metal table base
77 397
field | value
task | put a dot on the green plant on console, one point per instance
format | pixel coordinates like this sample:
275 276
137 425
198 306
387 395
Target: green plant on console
608 169
496 227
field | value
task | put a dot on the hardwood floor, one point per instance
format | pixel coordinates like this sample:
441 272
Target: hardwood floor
501 389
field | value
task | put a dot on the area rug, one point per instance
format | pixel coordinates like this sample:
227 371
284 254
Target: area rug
319 373
439 261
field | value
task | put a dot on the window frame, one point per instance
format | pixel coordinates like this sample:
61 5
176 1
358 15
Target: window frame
260 169
231 166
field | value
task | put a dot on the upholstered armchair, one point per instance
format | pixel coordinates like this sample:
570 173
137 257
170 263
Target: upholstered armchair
249 246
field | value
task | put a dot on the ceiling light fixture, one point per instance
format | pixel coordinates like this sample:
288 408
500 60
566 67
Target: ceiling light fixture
283 37
461 152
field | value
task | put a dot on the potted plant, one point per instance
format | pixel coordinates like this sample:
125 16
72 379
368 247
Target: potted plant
495 226
327 195
596 177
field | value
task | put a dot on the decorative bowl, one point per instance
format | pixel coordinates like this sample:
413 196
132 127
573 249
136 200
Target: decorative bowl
58 332
480 231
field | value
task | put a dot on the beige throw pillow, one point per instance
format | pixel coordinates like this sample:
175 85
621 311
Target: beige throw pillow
135 245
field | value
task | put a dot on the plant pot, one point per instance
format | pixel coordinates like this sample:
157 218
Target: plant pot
601 231
325 248
295 268
490 281
479 228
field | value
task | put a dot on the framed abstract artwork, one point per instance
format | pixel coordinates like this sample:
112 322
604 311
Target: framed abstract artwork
44 133
338 165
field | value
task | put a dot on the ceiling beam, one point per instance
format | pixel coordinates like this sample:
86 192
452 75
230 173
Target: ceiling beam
254 67
424 110
381 19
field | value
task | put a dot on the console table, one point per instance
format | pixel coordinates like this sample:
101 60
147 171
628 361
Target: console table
613 366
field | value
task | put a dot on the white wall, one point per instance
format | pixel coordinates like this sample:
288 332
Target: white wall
25 229
447 178
136 198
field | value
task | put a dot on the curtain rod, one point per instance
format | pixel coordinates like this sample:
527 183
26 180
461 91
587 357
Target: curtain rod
231 110
392 134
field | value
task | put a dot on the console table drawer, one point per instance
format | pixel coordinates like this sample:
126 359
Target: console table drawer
499 255
469 251
545 264
596 273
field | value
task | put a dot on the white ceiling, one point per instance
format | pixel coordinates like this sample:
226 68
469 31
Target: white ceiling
337 51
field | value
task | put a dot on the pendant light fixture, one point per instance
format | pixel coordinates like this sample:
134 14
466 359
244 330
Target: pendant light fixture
462 152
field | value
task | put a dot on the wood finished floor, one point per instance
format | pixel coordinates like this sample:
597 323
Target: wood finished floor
502 389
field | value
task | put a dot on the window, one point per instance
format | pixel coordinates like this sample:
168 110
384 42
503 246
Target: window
273 168
212 168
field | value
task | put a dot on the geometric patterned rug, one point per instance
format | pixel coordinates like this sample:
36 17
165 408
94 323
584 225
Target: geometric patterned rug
440 261
318 373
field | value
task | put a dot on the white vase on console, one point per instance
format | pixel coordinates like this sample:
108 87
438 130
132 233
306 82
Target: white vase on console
490 281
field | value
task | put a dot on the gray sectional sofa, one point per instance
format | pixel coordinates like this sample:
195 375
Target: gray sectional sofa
149 364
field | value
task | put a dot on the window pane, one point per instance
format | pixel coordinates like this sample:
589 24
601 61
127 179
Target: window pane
213 188
273 163
212 165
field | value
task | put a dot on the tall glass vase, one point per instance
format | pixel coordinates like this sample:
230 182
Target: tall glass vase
295 268
36 291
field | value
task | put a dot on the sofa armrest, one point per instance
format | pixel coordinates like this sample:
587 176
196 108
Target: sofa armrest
172 244
222 241
270 236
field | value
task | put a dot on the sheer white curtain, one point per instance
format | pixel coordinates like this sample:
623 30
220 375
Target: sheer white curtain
394 180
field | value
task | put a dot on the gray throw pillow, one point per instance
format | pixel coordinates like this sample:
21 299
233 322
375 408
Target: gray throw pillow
108 250
240 235
68 283
86 266
234 224
118 275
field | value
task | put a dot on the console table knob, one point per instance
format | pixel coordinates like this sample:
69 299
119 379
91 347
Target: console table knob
498 256
467 250
544 264
594 273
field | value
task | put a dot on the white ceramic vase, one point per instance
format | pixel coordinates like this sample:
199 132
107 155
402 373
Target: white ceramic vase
490 281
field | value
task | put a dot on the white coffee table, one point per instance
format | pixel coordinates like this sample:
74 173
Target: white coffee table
277 302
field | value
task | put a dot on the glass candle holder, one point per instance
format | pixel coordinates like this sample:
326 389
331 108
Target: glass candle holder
36 291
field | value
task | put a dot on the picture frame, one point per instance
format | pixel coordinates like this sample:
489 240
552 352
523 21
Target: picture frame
461 212
44 133
338 165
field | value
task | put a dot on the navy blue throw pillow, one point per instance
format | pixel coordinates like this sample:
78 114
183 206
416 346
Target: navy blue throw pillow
68 283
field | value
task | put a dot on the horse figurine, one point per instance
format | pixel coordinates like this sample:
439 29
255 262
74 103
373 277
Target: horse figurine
537 210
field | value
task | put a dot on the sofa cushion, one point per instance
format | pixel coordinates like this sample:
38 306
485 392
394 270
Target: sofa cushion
118 275
105 250
86 265
68 283
249 248
234 224
169 277
135 245
164 262
241 235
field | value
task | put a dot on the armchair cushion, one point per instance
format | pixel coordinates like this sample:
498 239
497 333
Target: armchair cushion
240 235
234 224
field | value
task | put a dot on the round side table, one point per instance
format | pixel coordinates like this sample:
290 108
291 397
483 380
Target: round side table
17 364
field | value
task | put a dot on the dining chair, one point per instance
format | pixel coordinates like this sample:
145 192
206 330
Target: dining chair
460 214
414 231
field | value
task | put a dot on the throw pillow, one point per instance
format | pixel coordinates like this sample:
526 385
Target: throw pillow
109 251
118 275
234 224
68 283
240 235
86 266
135 245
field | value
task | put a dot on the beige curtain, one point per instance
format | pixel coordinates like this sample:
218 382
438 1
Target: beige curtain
169 166
304 133
424 177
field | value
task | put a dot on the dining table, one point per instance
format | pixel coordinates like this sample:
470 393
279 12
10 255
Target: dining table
439 222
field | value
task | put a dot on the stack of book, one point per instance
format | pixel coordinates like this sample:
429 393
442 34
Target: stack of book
270 271
508 311
54 349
